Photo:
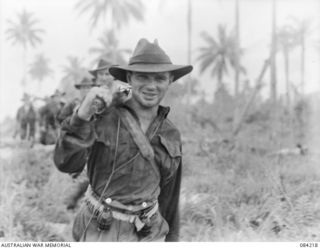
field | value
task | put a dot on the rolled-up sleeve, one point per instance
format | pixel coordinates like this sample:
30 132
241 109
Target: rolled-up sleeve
71 150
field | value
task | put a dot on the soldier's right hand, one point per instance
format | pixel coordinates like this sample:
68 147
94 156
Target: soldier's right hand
89 105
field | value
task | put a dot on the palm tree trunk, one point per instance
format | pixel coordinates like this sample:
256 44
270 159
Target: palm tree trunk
286 67
237 59
302 64
189 27
24 70
273 66
113 51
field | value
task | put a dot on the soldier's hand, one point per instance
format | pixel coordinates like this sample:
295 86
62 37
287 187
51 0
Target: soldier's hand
96 98
121 94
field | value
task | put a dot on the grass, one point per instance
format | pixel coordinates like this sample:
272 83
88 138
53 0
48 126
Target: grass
234 193
230 191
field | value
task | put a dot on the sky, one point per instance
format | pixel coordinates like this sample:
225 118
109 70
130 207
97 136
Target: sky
68 34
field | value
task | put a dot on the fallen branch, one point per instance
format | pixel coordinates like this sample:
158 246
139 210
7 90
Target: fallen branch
245 110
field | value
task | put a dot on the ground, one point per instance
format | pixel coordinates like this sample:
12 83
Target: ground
232 190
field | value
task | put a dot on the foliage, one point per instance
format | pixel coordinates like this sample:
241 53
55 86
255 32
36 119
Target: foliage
246 192
74 69
120 12
287 38
23 31
40 68
109 49
219 53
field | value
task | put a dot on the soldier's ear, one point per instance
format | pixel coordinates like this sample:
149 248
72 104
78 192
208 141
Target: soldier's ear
128 75
171 78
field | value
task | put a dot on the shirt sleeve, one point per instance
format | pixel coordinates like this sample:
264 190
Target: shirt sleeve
71 151
65 112
169 204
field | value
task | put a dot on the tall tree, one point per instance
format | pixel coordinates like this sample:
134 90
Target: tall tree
302 28
220 54
109 49
119 12
74 69
40 69
286 38
23 32
237 49
189 28
273 51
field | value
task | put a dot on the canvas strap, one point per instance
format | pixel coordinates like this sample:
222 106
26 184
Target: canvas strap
137 134
140 139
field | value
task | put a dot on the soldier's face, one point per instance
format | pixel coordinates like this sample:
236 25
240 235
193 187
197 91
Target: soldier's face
103 77
148 89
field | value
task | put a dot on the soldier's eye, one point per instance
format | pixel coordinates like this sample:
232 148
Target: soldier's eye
141 77
160 78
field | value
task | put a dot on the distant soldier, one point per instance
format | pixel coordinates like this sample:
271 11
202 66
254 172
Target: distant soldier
101 74
26 120
101 78
84 86
81 180
47 114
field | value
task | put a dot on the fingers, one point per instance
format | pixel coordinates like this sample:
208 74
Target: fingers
101 93
122 93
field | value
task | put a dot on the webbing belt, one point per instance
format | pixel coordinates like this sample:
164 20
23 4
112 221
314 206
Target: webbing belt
137 218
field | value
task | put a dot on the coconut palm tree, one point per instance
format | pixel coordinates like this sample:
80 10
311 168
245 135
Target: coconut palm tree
109 49
287 40
237 48
74 70
40 69
119 12
23 32
302 29
220 54
273 53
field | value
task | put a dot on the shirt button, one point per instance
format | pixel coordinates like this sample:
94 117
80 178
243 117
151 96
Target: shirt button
108 200
144 204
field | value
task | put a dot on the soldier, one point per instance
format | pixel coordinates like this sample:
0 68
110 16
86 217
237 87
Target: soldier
84 86
132 151
47 115
26 120
101 78
101 74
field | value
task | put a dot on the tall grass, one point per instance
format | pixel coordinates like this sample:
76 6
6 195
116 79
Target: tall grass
231 190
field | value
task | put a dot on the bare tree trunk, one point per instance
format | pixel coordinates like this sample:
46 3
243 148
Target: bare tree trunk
257 88
237 58
286 66
237 63
189 26
113 50
302 64
273 66
24 71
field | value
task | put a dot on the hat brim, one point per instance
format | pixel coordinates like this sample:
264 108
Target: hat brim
78 86
94 72
120 72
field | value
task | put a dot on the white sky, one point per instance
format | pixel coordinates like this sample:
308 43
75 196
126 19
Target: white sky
67 33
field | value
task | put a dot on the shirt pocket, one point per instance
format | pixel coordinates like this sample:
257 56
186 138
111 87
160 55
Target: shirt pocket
171 158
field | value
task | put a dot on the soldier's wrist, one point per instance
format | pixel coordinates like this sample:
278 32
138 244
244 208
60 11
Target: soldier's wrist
83 114
78 120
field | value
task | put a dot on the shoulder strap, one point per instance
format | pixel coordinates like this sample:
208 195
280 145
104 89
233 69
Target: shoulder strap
137 134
